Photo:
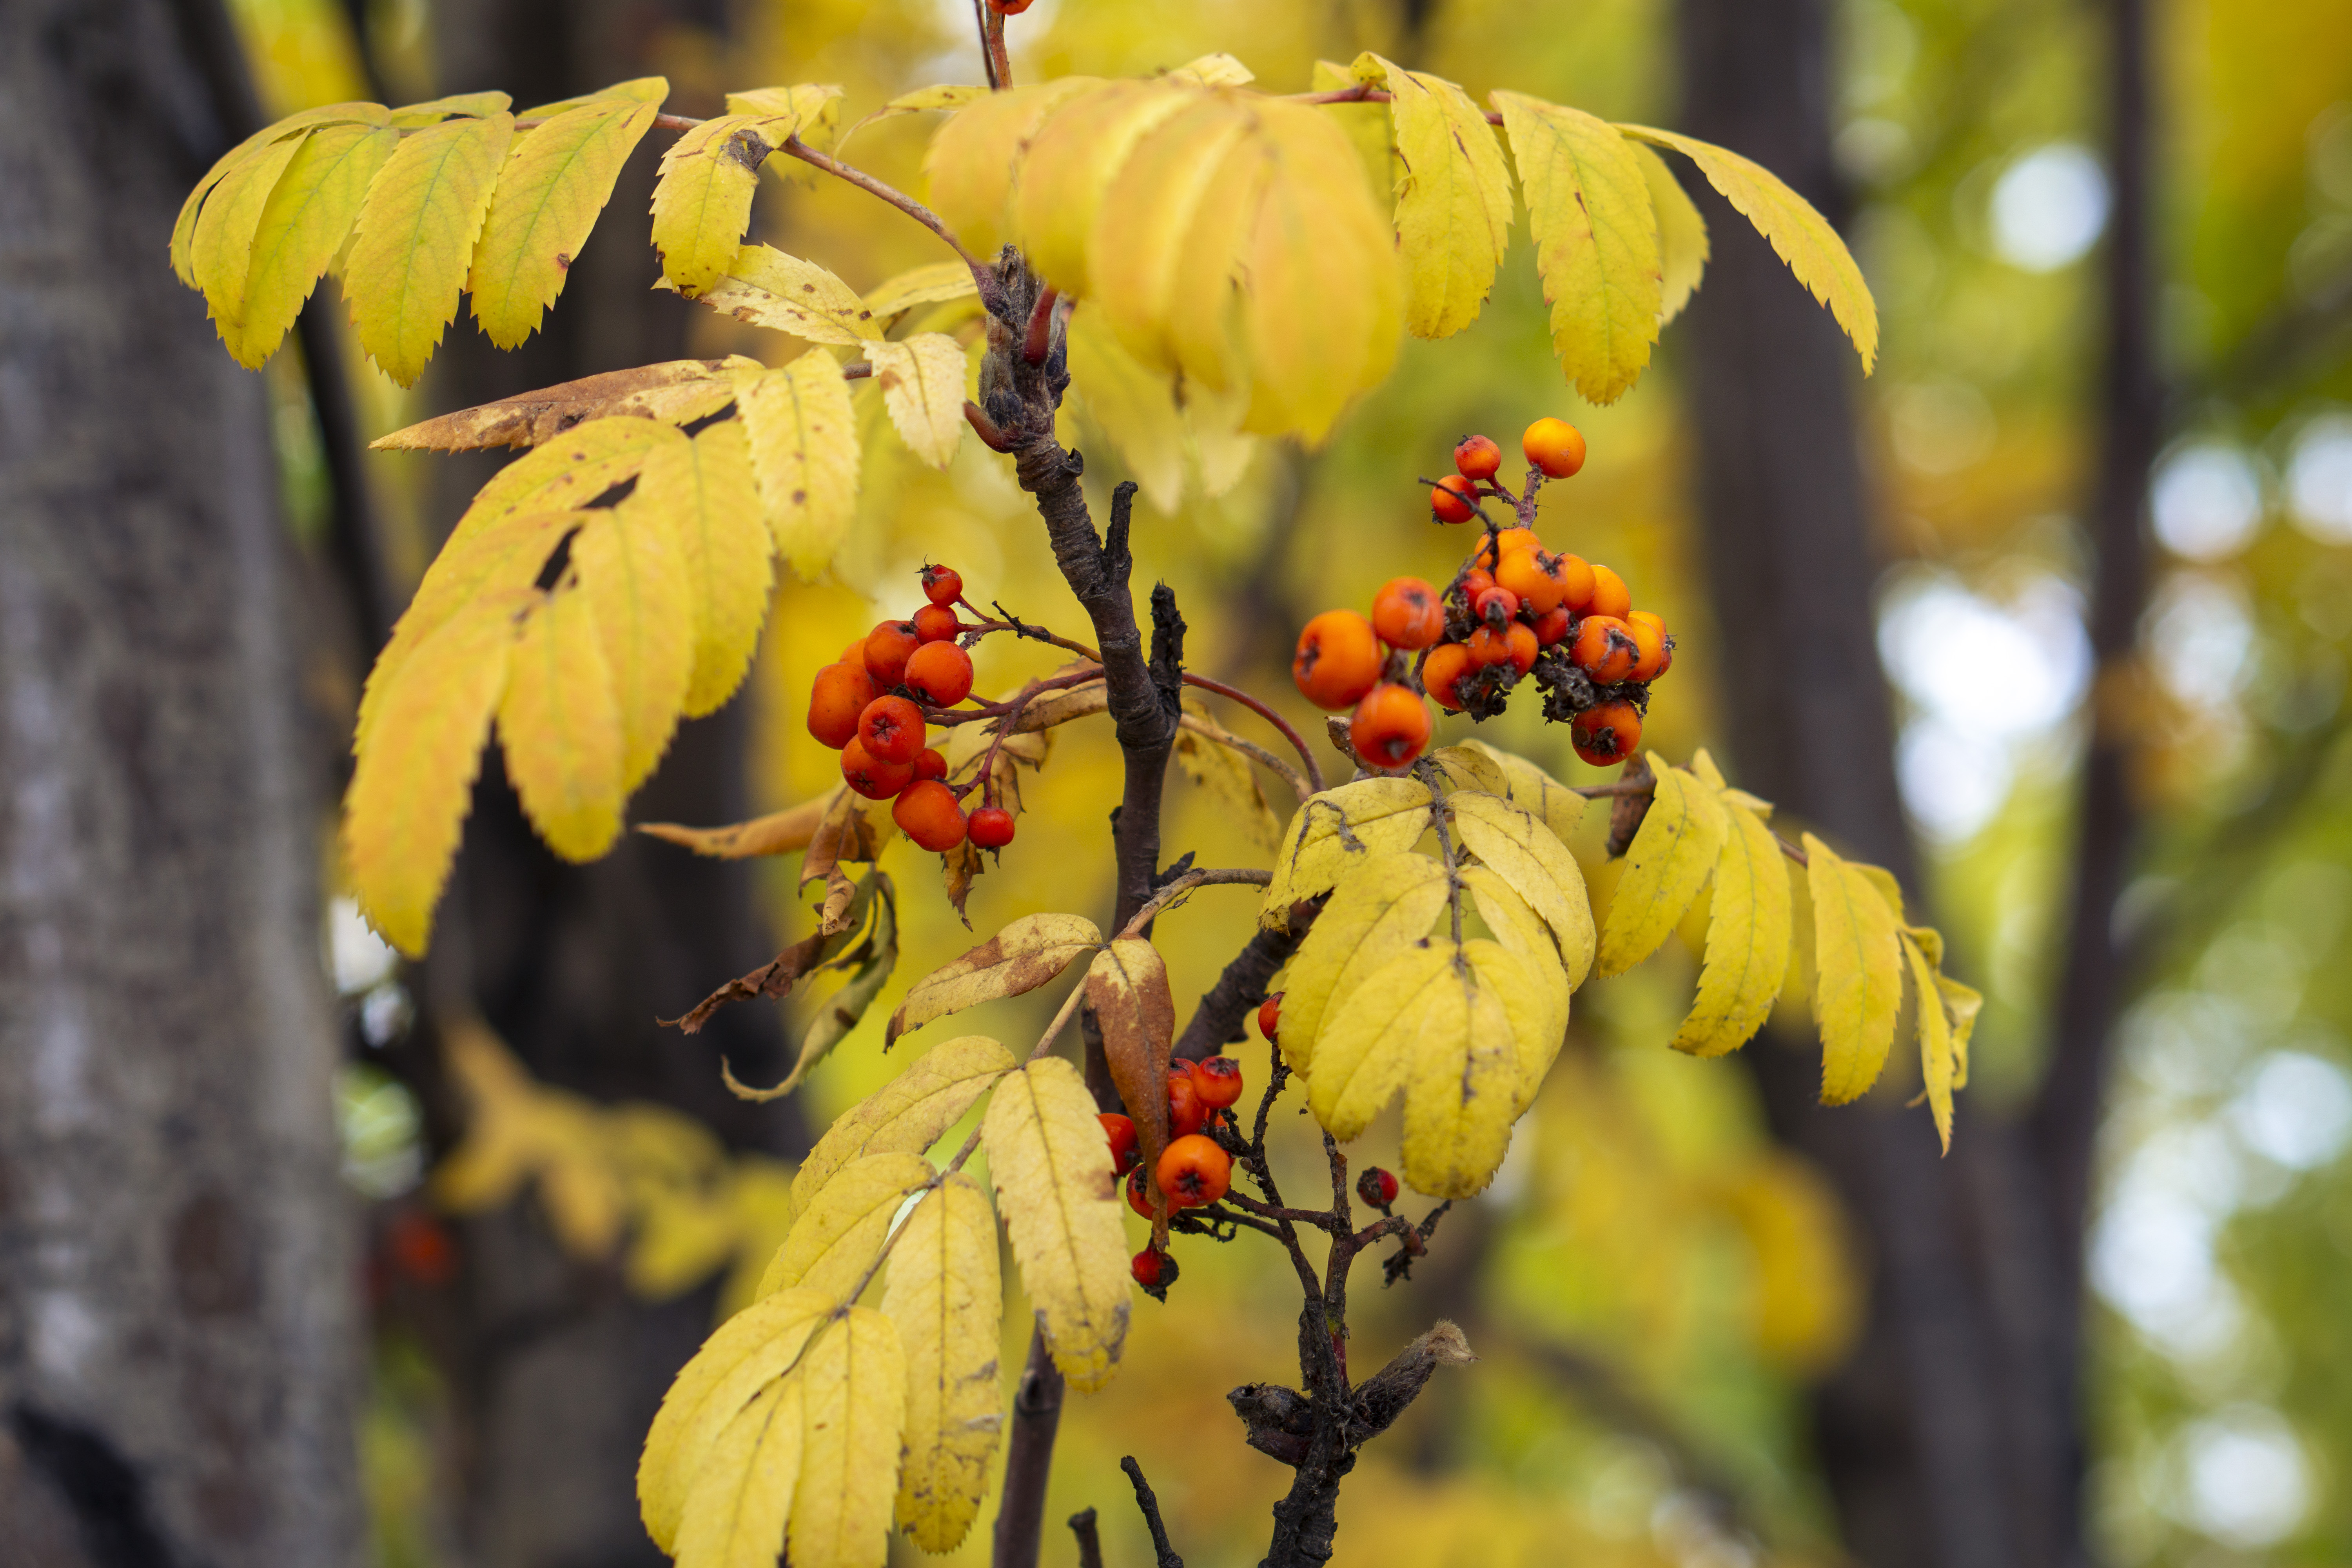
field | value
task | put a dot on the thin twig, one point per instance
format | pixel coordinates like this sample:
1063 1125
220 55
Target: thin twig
1149 1504
1082 1525
1208 876
983 275
1314 773
1218 735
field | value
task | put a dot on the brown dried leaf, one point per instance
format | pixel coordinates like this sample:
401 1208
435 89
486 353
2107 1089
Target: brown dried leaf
677 392
1025 955
1127 991
960 868
846 833
777 977
1060 707
873 959
777 833
1626 812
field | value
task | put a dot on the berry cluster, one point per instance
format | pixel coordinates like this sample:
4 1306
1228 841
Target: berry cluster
871 708
1195 1169
1514 610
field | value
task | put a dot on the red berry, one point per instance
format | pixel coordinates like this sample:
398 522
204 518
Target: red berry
892 729
1218 1081
871 777
1269 1012
1155 1271
1195 1170
1552 625
836 699
929 765
928 813
991 828
1186 1114
1495 605
936 622
943 584
422 1248
1606 734
1376 1187
887 647
1450 500
940 674
1138 1196
1477 457
1120 1130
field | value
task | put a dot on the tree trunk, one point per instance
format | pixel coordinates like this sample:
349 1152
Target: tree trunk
177 1301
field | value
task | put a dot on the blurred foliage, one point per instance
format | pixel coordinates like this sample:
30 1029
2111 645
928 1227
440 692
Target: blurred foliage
1650 1281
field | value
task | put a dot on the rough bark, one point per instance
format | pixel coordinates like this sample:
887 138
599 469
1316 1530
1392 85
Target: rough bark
176 1311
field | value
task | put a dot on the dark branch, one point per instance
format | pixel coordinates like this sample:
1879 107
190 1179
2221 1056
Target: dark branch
1225 1007
1149 1504
1082 1525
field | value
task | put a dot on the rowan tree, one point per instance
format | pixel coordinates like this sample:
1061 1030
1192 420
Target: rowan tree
1253 258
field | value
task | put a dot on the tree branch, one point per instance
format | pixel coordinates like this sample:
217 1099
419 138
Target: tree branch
1149 1504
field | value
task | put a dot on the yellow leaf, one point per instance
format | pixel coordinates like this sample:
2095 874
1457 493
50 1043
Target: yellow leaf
971 162
1935 1059
781 832
221 251
1365 1051
703 202
591 459
1213 70
1462 768
931 284
633 576
183 227
804 450
837 1236
1337 831
457 106
415 239
944 1295
703 491
1463 1090
922 386
1375 914
1678 844
1590 209
1325 297
1203 313
1228 777
1963 1003
766 288
743 1358
734 1516
308 215
1454 202
1060 1201
1748 934
1368 125
1860 985
910 1113
1553 803
1525 937
556 180
1536 865
414 779
1071 163
1134 405
874 958
1025 954
1683 248
856 1414
677 392
1803 238
650 90
561 727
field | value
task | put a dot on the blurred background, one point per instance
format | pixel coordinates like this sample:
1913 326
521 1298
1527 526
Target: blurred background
2049 615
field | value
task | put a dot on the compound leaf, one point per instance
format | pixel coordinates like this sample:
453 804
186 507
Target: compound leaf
1462 1090
703 202
221 249
767 288
1749 925
922 386
415 243
1536 865
1452 201
633 576
1683 247
1860 985
1127 992
1339 830
1938 1064
1367 1047
704 492
677 392
1377 912
837 1236
910 1113
306 220
734 1515
970 164
557 180
855 1410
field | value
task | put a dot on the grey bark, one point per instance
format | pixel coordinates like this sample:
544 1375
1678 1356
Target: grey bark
176 1304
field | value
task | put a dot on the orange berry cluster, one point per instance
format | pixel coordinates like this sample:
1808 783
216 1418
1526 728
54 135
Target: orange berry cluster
1514 610
1194 1170
870 706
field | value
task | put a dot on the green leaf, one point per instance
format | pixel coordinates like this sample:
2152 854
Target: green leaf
415 239
308 215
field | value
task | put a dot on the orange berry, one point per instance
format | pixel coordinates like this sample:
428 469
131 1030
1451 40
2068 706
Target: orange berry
991 828
1138 1196
1269 1015
1606 734
1120 1130
926 813
874 779
892 730
1554 445
940 674
1650 637
1390 726
1408 614
1010 7
1509 541
887 647
1495 605
936 622
1552 625
1218 1081
1338 659
1576 583
943 584
1610 595
1194 1171
1450 500
929 765
1490 645
1523 645
1605 649
837 698
1186 1114
1473 583
855 653
1447 663
1477 457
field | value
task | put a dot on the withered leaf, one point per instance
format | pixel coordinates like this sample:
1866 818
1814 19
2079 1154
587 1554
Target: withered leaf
777 977
1025 955
777 833
874 959
844 833
1127 991
677 392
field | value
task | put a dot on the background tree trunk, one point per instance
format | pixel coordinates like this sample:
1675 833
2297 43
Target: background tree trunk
176 1301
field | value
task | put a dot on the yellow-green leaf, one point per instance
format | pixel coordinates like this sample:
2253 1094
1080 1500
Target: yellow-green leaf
922 386
1072 163
308 215
910 1113
704 492
1525 854
1551 803
221 252
1963 1003
633 576
1683 247
1339 831
415 243
1671 858
183 227
1936 1063
561 727
835 1239
1524 935
1134 405
1060 1201
1025 954
650 90
556 180
1803 238
767 288
1369 126
1229 778
734 1515
970 164
1454 202
855 1414
946 1299
804 450
1213 70
457 106
1748 928
1366 1048
1590 209
1860 987
415 778
1462 1091
703 202
1375 913
931 284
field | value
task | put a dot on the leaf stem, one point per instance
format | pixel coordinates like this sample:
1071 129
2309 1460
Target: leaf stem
1208 876
1314 773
